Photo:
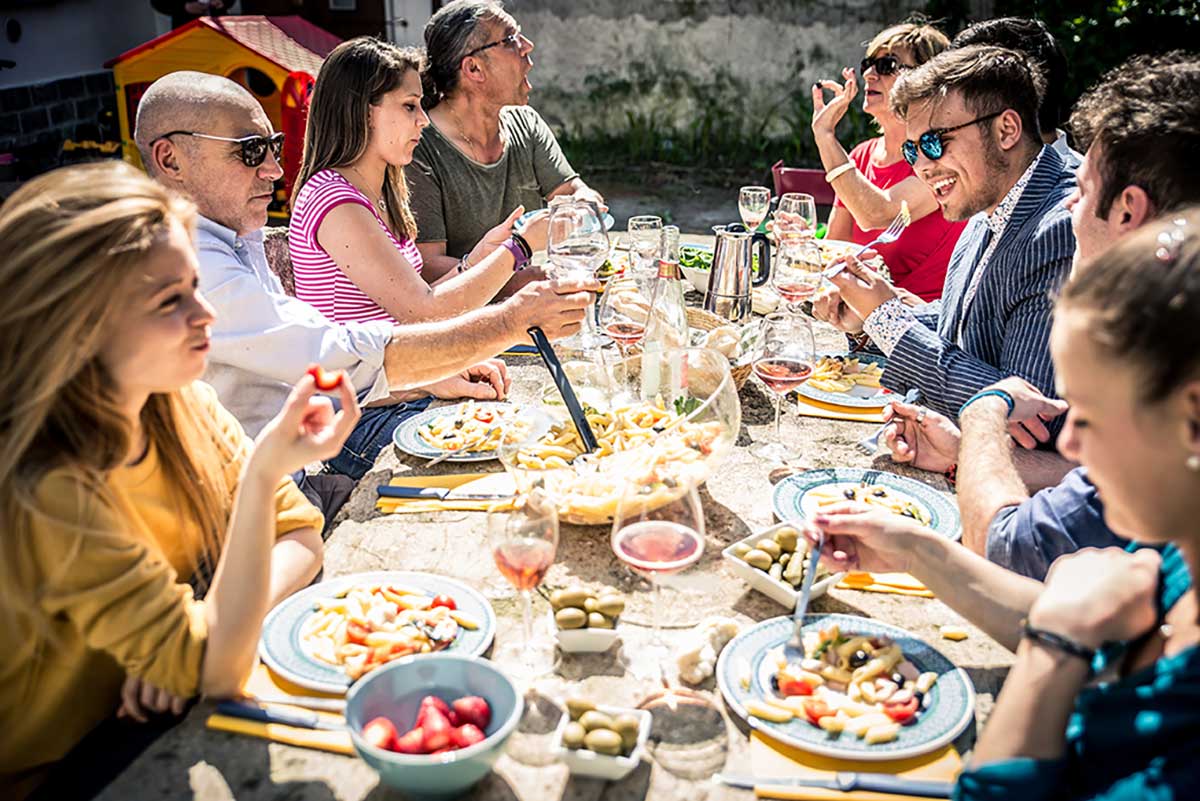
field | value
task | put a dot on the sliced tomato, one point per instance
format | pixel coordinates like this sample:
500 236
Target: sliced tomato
484 416
444 600
792 686
815 709
902 713
356 632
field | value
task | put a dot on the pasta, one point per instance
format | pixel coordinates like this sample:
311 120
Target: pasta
469 428
842 374
872 495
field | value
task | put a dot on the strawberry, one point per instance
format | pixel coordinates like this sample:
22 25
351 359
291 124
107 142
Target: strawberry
467 735
381 733
438 731
433 702
411 743
325 380
474 710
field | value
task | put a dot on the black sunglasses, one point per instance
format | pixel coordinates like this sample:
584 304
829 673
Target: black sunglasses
513 39
931 143
254 148
884 65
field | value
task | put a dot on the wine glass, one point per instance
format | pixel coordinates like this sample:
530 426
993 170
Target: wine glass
623 312
658 530
523 542
576 246
753 202
645 237
784 361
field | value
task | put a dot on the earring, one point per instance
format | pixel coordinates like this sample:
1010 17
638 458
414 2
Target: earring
1193 463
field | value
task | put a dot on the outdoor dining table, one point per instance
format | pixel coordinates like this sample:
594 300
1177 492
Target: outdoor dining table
192 762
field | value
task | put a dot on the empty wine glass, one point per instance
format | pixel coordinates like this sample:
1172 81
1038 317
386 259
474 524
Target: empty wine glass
784 361
523 542
658 530
576 246
753 203
645 237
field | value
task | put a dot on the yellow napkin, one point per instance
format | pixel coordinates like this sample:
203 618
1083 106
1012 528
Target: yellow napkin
816 408
497 483
896 583
772 759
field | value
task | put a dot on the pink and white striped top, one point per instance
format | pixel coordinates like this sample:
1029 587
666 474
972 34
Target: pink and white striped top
319 281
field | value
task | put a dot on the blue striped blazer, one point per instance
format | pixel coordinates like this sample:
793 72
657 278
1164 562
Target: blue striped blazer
1007 327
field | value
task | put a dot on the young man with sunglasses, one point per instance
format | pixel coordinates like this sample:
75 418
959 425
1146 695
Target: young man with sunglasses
208 138
486 151
973 138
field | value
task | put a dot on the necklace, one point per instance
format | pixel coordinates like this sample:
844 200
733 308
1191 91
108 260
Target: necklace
378 201
462 133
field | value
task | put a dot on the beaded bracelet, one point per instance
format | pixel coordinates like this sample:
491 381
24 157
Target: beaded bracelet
999 393
1058 642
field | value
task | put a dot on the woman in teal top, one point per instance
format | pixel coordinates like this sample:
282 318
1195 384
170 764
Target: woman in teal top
1103 701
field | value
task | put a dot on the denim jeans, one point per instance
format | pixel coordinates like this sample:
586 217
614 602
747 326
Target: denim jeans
373 432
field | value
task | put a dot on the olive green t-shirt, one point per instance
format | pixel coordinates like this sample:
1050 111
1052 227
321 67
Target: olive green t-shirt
456 199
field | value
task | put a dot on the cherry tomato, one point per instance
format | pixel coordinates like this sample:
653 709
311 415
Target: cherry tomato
793 686
484 416
815 709
444 600
902 713
326 380
356 632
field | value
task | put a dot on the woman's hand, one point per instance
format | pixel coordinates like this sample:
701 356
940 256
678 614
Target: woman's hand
1100 595
826 116
305 430
858 538
138 698
488 380
920 437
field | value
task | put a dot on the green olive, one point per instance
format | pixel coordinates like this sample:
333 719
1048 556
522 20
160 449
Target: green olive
598 621
593 720
740 550
775 571
770 546
760 559
784 558
577 706
589 605
560 599
571 618
628 726
603 741
611 605
573 735
787 537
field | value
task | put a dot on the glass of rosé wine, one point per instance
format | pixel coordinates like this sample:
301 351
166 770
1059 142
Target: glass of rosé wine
784 360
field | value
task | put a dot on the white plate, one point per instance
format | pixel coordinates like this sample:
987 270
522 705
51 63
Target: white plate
407 435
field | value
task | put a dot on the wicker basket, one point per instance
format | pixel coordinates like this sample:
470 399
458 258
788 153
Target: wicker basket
703 320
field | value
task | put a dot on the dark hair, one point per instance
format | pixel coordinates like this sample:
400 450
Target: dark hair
1144 297
450 34
990 79
1031 37
354 77
1145 115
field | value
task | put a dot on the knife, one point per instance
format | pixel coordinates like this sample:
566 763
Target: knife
288 717
848 782
319 704
439 494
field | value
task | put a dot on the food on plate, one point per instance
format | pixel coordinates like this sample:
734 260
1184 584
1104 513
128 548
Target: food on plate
439 727
326 380
953 633
369 625
859 685
590 729
580 608
698 660
780 556
886 498
695 258
843 373
469 427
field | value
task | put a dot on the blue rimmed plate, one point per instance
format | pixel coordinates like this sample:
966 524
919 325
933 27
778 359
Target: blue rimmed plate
407 436
859 397
951 704
792 499
282 652
608 220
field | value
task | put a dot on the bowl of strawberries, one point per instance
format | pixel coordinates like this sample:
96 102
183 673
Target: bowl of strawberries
433 725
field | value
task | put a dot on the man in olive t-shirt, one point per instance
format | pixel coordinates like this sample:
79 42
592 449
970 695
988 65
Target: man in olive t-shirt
486 152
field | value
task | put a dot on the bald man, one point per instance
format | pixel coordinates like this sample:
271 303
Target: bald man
208 138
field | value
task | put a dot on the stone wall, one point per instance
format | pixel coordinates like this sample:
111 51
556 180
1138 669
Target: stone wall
36 120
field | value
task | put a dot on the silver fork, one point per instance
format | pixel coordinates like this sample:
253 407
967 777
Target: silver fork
890 235
465 448
871 443
793 651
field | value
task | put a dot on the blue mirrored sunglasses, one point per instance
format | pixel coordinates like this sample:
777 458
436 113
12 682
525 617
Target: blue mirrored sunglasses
931 143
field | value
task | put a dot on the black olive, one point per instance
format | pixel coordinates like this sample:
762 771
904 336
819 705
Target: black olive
848 493
908 513
774 682
859 658
897 679
880 493
920 696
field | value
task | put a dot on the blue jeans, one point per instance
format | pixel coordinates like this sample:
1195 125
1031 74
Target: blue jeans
371 435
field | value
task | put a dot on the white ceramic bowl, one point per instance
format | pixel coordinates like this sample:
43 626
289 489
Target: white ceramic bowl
586 640
697 278
582 762
779 591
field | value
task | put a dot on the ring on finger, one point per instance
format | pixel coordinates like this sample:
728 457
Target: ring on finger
921 415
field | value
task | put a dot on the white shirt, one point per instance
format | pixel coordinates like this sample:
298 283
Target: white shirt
264 339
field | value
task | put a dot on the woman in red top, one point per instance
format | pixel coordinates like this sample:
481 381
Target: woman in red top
873 179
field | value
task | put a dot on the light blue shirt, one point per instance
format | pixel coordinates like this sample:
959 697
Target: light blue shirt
264 339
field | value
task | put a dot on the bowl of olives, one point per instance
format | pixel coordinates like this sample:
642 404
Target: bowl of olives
603 742
774 561
586 620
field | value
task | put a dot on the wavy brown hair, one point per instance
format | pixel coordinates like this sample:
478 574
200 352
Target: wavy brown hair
73 240
354 77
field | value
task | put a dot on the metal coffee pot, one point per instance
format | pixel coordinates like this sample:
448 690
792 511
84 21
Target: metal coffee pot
732 277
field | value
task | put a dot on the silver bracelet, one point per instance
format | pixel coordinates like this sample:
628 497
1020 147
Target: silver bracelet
463 265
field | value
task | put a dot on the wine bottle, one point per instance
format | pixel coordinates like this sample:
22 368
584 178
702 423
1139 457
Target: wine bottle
667 326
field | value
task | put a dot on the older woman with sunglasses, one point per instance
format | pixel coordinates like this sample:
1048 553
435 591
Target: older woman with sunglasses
873 180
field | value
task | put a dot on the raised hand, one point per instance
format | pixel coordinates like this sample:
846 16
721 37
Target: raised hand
863 289
305 430
557 307
826 115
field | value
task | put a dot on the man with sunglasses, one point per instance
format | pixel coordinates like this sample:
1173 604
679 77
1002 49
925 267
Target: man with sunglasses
973 138
208 138
486 151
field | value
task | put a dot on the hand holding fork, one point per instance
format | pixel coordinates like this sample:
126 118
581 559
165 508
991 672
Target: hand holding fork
890 235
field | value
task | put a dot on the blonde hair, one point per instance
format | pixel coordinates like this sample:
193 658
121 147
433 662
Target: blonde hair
72 240
919 40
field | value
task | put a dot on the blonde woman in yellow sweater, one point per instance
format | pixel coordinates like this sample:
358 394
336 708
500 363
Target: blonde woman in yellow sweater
127 493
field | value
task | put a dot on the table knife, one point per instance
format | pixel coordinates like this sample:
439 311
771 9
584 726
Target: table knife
848 782
288 717
439 494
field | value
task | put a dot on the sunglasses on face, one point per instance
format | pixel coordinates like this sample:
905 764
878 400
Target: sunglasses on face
512 40
931 144
253 148
884 65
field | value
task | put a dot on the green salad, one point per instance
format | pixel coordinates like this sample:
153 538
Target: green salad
695 258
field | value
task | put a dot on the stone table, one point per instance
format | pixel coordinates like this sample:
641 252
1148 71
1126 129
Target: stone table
192 762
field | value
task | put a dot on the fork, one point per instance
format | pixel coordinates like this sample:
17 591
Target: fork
794 649
869 445
890 235
484 437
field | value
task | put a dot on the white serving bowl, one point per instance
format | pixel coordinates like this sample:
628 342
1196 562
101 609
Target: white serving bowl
582 762
586 640
777 590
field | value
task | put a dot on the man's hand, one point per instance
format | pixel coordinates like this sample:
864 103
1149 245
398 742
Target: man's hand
826 116
587 193
863 289
920 437
1031 411
140 698
858 537
557 307
829 307
487 380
